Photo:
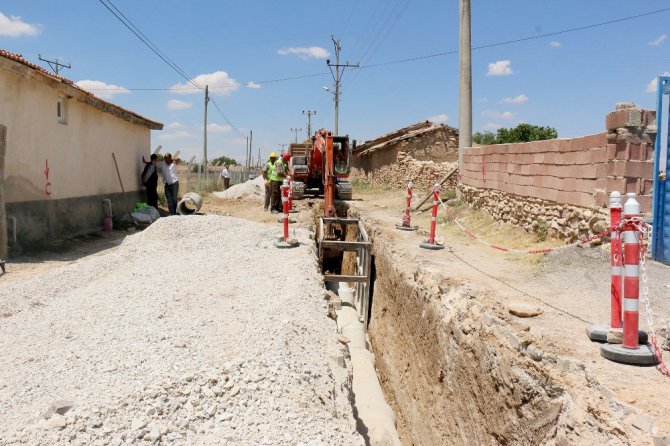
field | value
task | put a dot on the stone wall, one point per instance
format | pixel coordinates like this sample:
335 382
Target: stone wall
564 184
423 155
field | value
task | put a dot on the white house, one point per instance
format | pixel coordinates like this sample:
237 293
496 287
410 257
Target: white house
58 164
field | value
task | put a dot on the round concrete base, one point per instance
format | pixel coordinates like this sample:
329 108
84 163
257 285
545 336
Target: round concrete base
433 246
643 355
406 228
290 220
290 243
598 333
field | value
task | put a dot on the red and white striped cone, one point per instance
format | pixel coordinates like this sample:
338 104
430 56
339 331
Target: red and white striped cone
290 196
406 224
430 243
289 183
284 241
600 332
616 260
630 351
631 268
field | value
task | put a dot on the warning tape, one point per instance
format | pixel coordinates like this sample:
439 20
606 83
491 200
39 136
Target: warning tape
638 223
453 218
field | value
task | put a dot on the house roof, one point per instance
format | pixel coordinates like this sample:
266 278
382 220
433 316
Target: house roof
85 96
385 141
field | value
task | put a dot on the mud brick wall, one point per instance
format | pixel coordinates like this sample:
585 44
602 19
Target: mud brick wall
564 182
423 158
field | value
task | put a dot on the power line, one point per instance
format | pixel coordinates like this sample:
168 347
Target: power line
430 56
140 35
522 39
154 48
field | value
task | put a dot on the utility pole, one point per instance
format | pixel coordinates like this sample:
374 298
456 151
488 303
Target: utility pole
251 142
54 64
465 100
206 166
337 77
309 114
296 133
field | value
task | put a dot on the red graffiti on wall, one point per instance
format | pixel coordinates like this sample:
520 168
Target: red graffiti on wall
47 186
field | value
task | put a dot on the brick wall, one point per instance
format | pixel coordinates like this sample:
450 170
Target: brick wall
563 185
577 171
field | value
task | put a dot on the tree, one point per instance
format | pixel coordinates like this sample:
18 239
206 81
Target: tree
525 133
484 138
223 160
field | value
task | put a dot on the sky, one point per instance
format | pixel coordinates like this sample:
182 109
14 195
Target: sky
265 63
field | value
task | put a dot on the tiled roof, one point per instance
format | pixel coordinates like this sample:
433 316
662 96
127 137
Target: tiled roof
91 99
388 140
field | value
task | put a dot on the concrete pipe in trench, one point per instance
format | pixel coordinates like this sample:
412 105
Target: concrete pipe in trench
189 204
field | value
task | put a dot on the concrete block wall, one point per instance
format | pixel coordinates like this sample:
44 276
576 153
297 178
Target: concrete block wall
577 172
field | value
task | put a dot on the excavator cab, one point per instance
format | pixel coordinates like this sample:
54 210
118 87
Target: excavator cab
341 156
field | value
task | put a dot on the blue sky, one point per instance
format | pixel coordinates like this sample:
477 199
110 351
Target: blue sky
568 81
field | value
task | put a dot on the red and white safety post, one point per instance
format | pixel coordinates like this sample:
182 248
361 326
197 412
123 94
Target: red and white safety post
285 202
431 243
406 224
283 241
616 260
631 273
290 194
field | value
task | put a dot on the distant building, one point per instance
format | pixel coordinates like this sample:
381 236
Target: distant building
58 161
385 161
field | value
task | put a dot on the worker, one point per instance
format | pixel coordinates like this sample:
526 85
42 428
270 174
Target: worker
281 170
268 172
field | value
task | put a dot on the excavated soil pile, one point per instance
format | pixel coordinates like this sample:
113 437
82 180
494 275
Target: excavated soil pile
195 331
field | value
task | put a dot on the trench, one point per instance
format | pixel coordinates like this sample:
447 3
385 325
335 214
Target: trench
452 370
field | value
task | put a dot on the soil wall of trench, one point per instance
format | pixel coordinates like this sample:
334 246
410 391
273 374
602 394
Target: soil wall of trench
456 372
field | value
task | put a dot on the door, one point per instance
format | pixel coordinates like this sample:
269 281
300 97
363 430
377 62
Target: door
660 243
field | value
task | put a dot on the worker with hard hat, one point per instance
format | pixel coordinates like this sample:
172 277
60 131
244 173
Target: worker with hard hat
268 170
280 172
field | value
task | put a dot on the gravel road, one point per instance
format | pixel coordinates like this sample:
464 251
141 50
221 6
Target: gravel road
194 331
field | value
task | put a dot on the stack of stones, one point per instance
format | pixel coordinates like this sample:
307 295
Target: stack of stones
539 216
422 173
631 132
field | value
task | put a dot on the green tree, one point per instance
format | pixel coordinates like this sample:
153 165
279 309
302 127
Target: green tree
484 138
525 133
223 160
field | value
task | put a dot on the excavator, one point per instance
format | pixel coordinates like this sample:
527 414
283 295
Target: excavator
323 166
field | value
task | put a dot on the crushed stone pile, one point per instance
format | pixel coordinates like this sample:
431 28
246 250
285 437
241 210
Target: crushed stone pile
195 331
254 189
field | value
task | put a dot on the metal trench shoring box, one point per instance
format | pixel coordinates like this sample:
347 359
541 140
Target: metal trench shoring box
660 242
363 249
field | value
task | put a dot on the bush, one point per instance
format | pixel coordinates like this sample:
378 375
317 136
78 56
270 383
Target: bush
541 230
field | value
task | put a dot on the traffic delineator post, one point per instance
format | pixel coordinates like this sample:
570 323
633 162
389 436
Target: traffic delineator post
284 241
406 224
630 351
599 332
430 242
290 201
631 273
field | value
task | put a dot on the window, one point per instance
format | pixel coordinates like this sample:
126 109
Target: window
61 110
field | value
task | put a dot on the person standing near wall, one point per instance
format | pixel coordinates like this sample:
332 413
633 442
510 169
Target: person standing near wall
268 168
225 176
150 180
168 170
